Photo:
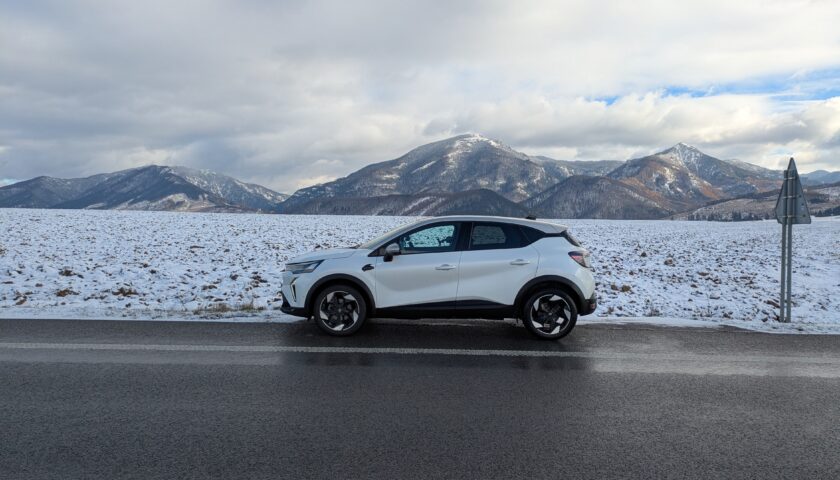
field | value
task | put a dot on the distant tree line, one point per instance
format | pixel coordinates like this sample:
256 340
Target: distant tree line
828 212
729 217
749 216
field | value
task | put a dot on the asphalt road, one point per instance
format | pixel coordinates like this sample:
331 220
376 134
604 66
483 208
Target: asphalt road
91 399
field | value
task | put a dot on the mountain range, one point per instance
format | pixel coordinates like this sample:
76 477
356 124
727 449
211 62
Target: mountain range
145 188
463 174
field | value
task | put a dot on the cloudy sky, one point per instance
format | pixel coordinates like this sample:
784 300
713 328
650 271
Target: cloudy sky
291 93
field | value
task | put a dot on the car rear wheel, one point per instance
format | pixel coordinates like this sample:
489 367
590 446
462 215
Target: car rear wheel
340 310
549 313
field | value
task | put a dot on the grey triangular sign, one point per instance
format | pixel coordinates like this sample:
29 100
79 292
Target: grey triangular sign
795 211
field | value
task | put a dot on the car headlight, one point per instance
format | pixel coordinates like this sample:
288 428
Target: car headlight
303 267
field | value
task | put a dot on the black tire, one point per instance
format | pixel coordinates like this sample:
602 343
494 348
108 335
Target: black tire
555 317
340 310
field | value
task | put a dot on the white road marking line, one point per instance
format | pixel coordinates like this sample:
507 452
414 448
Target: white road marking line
661 357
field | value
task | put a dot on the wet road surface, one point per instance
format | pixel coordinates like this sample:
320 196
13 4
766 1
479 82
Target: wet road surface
95 399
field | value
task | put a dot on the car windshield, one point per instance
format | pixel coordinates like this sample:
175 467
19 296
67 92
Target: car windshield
376 241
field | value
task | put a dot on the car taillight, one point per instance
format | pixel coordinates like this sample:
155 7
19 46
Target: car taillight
582 258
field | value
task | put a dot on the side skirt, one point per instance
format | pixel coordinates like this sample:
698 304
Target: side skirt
464 309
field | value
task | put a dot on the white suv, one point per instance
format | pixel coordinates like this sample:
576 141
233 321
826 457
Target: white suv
447 267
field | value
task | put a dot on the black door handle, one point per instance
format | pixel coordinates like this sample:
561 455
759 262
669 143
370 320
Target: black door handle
367 267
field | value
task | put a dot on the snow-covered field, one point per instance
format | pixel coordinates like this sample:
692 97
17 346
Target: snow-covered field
103 264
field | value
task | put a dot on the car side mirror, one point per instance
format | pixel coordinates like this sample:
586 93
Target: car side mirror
390 251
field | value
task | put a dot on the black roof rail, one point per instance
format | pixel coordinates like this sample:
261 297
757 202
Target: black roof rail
530 216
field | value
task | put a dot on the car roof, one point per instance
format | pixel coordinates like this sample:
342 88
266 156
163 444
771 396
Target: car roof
543 226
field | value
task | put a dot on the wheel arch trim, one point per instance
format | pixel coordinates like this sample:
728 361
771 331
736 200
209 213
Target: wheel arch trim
578 294
339 278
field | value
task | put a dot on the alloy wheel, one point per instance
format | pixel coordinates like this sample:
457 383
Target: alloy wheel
550 313
339 310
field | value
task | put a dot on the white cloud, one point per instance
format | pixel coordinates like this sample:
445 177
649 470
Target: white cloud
729 126
284 93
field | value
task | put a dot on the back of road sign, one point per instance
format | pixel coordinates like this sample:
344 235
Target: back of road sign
791 206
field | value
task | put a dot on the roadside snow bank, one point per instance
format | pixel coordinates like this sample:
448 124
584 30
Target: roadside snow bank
161 265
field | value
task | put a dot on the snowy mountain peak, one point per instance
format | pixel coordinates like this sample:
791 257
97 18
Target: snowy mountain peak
236 191
472 140
682 153
472 136
682 149
457 164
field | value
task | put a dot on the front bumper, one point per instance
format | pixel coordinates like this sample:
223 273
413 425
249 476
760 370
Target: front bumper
590 305
294 290
296 311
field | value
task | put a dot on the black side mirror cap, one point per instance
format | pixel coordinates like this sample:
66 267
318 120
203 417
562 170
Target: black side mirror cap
390 251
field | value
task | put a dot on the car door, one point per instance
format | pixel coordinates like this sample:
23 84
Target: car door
498 261
426 270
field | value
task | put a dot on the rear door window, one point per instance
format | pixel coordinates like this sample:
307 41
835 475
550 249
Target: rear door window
490 236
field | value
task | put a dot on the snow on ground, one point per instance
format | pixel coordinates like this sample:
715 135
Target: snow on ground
721 272
105 264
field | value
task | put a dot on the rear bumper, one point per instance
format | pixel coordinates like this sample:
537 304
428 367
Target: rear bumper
590 305
297 312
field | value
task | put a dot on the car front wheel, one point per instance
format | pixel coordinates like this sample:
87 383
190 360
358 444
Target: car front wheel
340 310
549 313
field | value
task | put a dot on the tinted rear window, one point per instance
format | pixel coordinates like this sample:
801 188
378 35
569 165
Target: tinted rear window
486 236
532 234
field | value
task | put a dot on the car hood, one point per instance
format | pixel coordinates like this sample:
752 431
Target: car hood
323 255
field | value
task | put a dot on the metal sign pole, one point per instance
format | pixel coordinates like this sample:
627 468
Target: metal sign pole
783 279
791 207
791 212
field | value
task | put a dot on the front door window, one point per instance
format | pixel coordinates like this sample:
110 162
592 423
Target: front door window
433 239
